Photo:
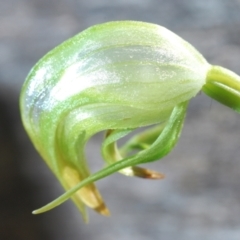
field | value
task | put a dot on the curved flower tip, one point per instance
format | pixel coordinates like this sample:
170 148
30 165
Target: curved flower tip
118 77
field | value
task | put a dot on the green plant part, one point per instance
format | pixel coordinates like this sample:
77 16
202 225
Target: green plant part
117 77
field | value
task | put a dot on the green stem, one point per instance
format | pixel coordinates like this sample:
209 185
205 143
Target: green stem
223 85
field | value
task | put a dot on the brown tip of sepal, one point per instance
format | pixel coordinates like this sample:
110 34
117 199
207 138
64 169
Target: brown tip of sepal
103 210
147 173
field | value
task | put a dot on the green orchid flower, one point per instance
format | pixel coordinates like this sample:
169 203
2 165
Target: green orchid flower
115 77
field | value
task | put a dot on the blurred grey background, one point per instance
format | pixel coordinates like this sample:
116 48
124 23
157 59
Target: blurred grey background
200 197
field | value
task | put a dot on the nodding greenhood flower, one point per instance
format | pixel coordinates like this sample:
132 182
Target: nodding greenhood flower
118 77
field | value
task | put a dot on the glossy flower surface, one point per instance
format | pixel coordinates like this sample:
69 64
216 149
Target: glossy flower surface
115 77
